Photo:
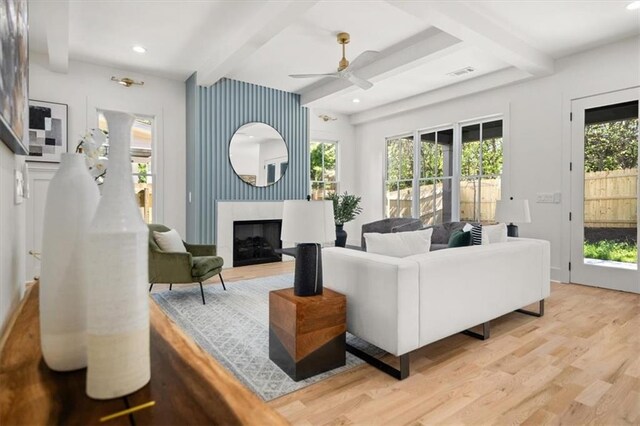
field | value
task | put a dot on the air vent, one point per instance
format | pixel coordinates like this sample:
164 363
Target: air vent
462 71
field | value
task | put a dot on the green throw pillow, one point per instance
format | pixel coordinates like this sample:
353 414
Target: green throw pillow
459 238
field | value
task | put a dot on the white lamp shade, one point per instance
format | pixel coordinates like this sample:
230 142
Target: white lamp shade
513 211
308 221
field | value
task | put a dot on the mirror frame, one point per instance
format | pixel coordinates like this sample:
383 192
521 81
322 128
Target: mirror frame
286 145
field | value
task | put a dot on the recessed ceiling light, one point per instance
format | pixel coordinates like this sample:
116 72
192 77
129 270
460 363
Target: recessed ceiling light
139 49
356 101
634 5
251 136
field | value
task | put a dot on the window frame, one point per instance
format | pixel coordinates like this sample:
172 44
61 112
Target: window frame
337 166
456 163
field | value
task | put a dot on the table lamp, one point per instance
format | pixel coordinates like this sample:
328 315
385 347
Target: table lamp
309 224
511 211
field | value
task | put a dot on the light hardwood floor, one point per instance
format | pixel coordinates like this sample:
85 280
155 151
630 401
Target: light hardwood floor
579 364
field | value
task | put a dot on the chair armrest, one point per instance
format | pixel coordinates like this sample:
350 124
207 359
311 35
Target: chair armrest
170 267
201 249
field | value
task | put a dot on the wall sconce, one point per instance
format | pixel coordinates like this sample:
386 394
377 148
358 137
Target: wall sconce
126 81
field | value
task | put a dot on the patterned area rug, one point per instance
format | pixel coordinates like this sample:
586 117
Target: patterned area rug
234 328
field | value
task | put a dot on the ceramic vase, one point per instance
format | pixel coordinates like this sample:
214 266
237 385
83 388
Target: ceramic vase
118 303
72 198
341 236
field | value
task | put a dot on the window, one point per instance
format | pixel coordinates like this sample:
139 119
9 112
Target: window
457 175
399 177
323 168
480 170
436 176
141 171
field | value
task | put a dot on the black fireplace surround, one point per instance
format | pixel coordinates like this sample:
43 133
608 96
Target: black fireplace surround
256 241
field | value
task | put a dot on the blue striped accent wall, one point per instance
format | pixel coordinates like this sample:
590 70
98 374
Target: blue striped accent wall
214 113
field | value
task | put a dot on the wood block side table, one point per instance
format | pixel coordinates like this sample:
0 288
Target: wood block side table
307 335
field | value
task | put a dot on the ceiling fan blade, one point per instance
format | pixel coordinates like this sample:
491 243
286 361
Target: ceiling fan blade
360 82
331 74
363 59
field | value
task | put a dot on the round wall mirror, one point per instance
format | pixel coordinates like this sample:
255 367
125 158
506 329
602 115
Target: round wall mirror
258 154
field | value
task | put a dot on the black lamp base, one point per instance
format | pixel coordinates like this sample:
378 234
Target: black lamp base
512 230
308 275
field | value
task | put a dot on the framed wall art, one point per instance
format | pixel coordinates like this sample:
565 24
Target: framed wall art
47 131
14 68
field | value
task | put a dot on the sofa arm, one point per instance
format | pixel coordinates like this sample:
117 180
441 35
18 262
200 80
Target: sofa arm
170 267
201 249
382 296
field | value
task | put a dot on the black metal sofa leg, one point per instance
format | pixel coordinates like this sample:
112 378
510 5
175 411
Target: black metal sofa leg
170 285
150 287
534 314
486 332
202 293
400 374
222 281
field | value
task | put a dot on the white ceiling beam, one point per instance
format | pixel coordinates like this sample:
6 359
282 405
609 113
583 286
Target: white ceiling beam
467 87
465 21
413 52
58 34
257 24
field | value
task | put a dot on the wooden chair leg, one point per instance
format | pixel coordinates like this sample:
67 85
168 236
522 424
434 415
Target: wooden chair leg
222 281
150 287
202 293
170 285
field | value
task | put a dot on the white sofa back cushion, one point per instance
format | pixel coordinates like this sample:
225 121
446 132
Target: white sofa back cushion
399 244
492 234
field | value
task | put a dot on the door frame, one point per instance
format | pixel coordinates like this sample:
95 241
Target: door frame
600 276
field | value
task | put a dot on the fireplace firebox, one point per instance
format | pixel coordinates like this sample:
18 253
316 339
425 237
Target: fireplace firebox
256 241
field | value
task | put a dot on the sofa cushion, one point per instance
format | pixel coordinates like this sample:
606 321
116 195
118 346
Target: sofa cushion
169 241
436 246
476 235
460 238
494 234
205 264
399 244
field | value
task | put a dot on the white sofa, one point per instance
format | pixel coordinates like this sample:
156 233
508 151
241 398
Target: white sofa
402 304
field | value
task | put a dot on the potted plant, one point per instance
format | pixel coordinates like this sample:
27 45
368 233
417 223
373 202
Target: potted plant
345 208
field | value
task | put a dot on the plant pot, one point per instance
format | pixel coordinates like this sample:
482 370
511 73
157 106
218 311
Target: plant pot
341 236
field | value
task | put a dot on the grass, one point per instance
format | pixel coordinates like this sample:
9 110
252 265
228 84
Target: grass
611 250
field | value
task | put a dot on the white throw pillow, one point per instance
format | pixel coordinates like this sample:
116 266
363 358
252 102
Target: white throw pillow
494 233
399 244
467 227
169 241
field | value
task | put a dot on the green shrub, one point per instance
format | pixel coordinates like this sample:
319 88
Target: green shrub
611 250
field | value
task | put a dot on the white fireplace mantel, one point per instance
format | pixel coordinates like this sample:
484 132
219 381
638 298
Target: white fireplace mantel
233 211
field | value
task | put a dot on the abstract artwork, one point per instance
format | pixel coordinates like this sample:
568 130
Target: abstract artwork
14 63
47 131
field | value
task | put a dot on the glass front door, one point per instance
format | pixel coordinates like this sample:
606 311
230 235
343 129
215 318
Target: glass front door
604 185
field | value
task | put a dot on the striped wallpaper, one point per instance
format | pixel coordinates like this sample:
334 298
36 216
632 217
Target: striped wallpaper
213 115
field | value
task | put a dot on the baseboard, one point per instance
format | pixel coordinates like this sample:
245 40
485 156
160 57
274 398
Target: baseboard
558 275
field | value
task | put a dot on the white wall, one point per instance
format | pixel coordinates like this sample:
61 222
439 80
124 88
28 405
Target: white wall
12 231
86 88
537 142
343 132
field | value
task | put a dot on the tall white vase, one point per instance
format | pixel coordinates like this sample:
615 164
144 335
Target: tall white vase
118 304
71 203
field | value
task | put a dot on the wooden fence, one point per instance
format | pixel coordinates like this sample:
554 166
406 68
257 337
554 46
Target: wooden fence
398 203
611 199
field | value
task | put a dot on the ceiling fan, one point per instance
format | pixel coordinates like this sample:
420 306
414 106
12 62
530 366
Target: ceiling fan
346 70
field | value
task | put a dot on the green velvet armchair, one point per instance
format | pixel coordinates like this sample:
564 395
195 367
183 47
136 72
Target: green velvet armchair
198 264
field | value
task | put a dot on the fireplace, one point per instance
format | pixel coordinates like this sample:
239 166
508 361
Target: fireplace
256 241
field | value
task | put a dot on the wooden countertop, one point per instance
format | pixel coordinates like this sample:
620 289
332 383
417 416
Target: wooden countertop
187 384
